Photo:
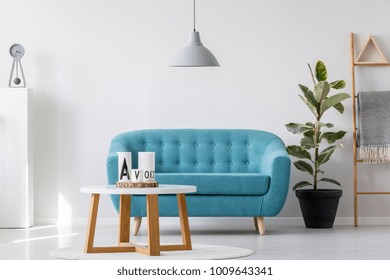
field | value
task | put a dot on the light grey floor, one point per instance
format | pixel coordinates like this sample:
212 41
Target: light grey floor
280 242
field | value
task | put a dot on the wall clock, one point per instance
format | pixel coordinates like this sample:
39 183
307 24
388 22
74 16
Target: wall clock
16 78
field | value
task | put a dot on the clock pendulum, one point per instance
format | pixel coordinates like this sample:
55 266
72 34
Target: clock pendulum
17 79
17 52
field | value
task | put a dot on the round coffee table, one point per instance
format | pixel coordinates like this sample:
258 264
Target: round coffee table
124 245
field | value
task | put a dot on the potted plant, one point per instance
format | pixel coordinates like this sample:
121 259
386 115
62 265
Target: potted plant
318 143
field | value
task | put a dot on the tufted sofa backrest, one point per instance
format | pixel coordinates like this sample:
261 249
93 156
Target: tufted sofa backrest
198 150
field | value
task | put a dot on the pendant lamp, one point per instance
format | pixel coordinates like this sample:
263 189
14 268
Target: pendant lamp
194 54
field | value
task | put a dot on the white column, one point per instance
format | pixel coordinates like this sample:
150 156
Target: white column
16 158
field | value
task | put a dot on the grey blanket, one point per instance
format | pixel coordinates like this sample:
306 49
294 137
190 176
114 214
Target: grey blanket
374 126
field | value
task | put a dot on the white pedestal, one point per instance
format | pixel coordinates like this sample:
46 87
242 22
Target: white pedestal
16 158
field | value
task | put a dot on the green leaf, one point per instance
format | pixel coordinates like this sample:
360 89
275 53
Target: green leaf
329 125
312 108
301 185
339 84
304 166
333 100
297 151
325 155
339 107
297 128
309 95
309 134
321 91
308 143
330 148
303 88
323 158
329 180
332 137
310 124
321 73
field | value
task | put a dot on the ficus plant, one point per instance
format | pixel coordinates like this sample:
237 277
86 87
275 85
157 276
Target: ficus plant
313 152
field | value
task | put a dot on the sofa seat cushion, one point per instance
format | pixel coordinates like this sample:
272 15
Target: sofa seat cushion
219 183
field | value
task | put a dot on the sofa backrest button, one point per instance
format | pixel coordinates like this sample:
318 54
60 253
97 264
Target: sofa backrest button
196 164
213 163
178 143
230 163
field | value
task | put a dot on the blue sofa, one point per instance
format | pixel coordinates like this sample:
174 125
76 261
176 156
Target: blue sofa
238 173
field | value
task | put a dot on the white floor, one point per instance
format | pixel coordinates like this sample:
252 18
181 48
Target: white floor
280 242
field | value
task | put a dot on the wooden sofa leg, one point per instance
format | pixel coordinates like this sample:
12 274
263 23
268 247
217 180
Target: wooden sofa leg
260 225
255 222
137 224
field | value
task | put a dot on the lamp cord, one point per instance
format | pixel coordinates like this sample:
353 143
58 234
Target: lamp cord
194 16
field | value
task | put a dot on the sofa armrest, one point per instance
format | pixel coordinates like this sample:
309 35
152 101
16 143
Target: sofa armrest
276 164
112 168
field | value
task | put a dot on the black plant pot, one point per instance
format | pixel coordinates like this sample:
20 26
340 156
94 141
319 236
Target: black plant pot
319 207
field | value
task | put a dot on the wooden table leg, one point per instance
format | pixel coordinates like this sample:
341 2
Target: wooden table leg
154 247
153 224
92 223
124 219
184 225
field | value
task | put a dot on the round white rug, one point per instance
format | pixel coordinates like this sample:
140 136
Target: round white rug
199 252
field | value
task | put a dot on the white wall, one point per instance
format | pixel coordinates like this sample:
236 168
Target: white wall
99 68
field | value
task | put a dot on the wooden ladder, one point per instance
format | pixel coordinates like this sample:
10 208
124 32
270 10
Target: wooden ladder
359 63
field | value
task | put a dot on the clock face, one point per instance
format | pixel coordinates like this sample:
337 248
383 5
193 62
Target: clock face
16 51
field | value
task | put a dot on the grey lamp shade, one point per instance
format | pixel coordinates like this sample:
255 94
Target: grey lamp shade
194 54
